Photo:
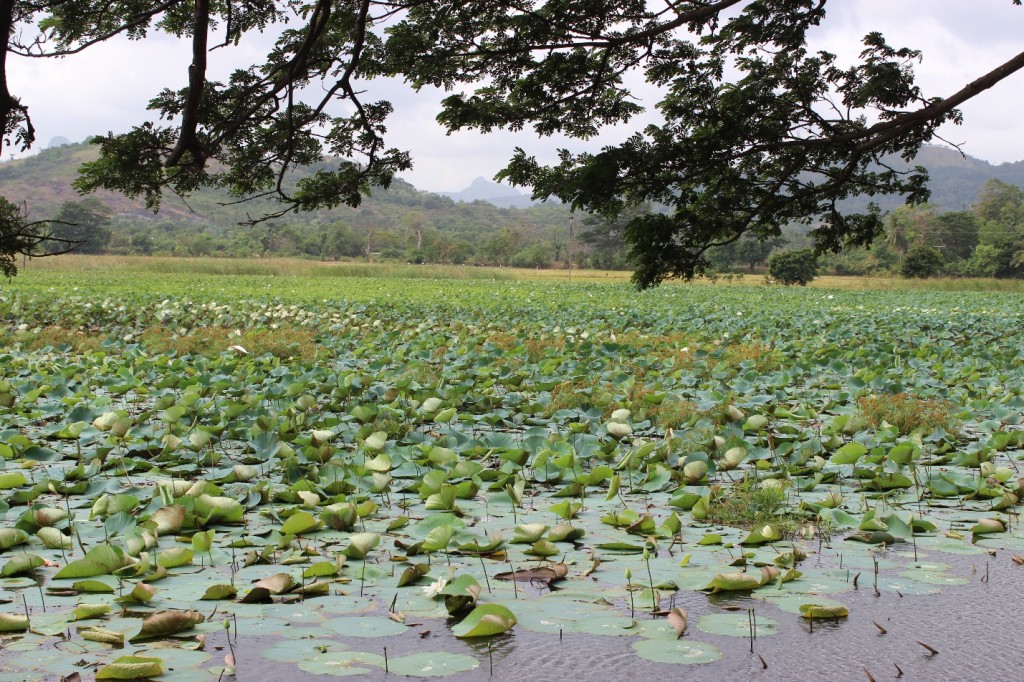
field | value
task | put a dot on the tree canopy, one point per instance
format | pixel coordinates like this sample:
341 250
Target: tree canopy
755 129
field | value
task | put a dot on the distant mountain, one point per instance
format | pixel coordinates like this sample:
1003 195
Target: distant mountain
44 180
493 193
954 179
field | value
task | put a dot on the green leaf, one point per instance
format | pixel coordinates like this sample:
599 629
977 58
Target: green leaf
733 582
99 560
53 538
12 537
12 479
101 635
219 509
528 533
437 539
432 664
361 544
175 556
300 522
23 563
131 668
93 586
849 453
321 569
486 620
10 622
221 591
86 611
813 611
203 540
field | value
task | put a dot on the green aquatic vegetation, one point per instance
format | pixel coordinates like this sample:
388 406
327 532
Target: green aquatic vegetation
754 503
443 447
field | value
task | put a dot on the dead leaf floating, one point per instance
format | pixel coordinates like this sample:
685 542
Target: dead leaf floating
545 575
677 618
167 623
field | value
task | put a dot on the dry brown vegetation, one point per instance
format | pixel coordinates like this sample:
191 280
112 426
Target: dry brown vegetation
75 340
764 358
283 342
907 413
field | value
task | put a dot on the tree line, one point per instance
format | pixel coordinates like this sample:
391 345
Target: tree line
983 240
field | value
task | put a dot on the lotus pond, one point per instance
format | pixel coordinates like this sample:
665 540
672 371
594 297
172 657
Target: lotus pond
288 478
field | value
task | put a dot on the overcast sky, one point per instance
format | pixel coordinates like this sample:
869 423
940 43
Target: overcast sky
107 87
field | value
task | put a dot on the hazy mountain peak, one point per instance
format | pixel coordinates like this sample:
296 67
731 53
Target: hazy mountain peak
482 189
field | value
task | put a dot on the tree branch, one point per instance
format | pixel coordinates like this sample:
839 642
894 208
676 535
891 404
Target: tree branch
187 139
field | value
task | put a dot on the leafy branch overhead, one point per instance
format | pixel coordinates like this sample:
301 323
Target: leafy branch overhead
754 129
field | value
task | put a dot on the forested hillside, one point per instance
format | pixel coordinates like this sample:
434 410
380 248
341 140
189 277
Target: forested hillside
398 222
973 224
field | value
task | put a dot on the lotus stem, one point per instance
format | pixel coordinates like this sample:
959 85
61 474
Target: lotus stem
650 578
632 608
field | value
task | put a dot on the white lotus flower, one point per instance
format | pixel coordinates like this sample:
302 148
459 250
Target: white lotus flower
433 589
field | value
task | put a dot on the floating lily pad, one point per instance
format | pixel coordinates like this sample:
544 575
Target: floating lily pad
432 664
735 624
365 626
292 652
791 602
342 663
609 626
682 651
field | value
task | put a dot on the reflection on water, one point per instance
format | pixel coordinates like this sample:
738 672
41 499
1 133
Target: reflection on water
973 626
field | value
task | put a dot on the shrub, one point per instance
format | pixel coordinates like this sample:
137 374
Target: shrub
922 262
751 504
798 266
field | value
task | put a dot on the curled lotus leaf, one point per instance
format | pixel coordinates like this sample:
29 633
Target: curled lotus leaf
763 535
985 526
528 533
169 519
175 556
219 509
278 583
22 563
813 611
167 623
543 549
220 591
564 532
361 544
101 635
12 537
340 516
99 560
486 620
12 622
733 582
131 668
299 523
678 618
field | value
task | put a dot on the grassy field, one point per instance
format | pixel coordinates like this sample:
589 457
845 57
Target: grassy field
307 268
